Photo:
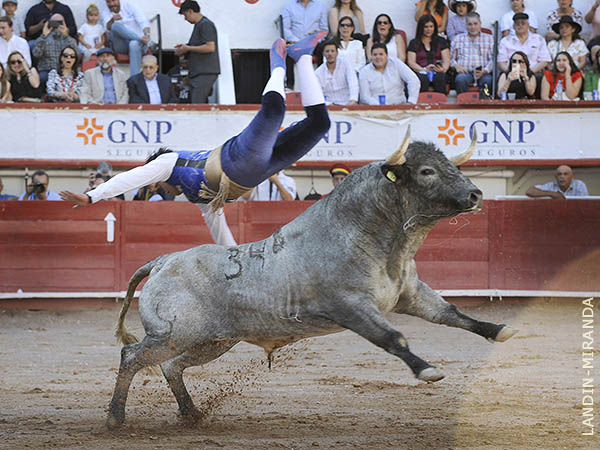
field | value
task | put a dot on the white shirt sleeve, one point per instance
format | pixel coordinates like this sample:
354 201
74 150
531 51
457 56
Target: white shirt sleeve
158 170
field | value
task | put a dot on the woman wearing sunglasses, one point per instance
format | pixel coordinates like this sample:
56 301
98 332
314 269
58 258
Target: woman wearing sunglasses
519 80
64 83
384 32
350 48
24 80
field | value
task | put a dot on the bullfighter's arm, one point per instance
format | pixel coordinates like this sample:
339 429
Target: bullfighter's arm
158 170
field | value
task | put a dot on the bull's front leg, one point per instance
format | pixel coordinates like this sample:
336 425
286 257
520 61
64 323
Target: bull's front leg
362 317
429 305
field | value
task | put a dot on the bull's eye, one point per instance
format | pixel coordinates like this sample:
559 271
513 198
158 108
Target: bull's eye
427 172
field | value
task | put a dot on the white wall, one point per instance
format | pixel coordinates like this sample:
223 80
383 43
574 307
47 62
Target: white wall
252 26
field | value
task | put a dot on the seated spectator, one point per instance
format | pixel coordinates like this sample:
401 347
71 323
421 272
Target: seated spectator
457 24
519 79
64 83
565 8
91 35
24 80
593 17
105 84
10 42
564 81
506 22
148 193
10 8
472 55
591 81
564 186
533 45
39 14
5 95
434 8
594 48
337 77
301 18
277 187
55 37
385 33
4 197
348 47
128 31
383 80
180 79
201 51
150 86
347 8
38 188
429 56
568 41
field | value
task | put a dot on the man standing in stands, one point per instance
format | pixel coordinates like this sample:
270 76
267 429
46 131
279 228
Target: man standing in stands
55 37
105 84
202 52
128 31
149 86
10 42
39 14
38 188
564 186
337 77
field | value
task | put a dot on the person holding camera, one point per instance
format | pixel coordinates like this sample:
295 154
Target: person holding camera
39 14
38 188
55 37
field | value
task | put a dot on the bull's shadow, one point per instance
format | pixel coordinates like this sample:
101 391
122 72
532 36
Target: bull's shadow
199 303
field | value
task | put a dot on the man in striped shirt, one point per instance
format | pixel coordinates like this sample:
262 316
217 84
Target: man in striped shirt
337 77
471 54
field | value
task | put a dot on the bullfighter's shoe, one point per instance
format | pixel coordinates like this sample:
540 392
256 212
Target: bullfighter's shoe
305 46
277 54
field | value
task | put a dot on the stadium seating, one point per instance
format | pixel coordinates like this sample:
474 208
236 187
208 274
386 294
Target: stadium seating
432 97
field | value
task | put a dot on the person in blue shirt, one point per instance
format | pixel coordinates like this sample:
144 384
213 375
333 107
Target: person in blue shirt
211 177
564 186
38 189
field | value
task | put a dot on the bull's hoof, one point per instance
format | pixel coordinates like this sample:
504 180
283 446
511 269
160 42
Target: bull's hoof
505 334
431 375
191 417
114 422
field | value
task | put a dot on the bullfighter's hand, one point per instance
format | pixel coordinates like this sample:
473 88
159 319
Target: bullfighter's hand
79 199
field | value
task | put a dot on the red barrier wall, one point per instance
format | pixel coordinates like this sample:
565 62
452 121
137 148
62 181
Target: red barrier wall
531 245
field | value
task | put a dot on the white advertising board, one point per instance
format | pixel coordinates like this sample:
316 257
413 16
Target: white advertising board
133 134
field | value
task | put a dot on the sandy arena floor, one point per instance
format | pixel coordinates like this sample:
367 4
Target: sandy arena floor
339 391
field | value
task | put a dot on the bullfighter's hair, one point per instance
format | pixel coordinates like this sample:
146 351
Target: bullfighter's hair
156 154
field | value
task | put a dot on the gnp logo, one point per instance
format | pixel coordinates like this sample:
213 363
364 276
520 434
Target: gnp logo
488 131
124 132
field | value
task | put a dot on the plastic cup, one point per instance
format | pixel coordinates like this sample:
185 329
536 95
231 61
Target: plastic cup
382 99
512 95
588 96
430 76
503 95
595 95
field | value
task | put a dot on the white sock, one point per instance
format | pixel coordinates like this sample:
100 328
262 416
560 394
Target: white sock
275 83
311 91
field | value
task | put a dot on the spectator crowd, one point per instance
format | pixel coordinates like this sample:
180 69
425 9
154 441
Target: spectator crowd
42 55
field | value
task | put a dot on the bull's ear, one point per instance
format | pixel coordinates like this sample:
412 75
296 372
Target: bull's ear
389 173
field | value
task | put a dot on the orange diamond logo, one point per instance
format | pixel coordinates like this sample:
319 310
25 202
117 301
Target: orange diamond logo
451 132
89 131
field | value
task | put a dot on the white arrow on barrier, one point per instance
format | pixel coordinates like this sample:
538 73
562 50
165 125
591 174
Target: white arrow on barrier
110 227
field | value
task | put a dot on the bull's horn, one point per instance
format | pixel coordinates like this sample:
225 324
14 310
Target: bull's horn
397 158
464 156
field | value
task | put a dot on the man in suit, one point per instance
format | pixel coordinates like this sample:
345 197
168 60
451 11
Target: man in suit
104 84
149 86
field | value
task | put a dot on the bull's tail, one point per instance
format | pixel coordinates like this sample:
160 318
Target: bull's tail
121 333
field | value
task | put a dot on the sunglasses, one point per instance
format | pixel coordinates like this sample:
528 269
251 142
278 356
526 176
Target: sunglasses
346 25
68 55
380 22
15 61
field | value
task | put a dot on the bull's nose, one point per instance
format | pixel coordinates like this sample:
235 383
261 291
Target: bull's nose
476 199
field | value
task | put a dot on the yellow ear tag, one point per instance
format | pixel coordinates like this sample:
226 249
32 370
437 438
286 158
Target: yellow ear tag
391 176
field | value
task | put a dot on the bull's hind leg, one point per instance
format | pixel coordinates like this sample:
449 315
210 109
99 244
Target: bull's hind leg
429 305
362 317
148 352
173 372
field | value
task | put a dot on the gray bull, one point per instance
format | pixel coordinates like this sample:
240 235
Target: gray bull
343 264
